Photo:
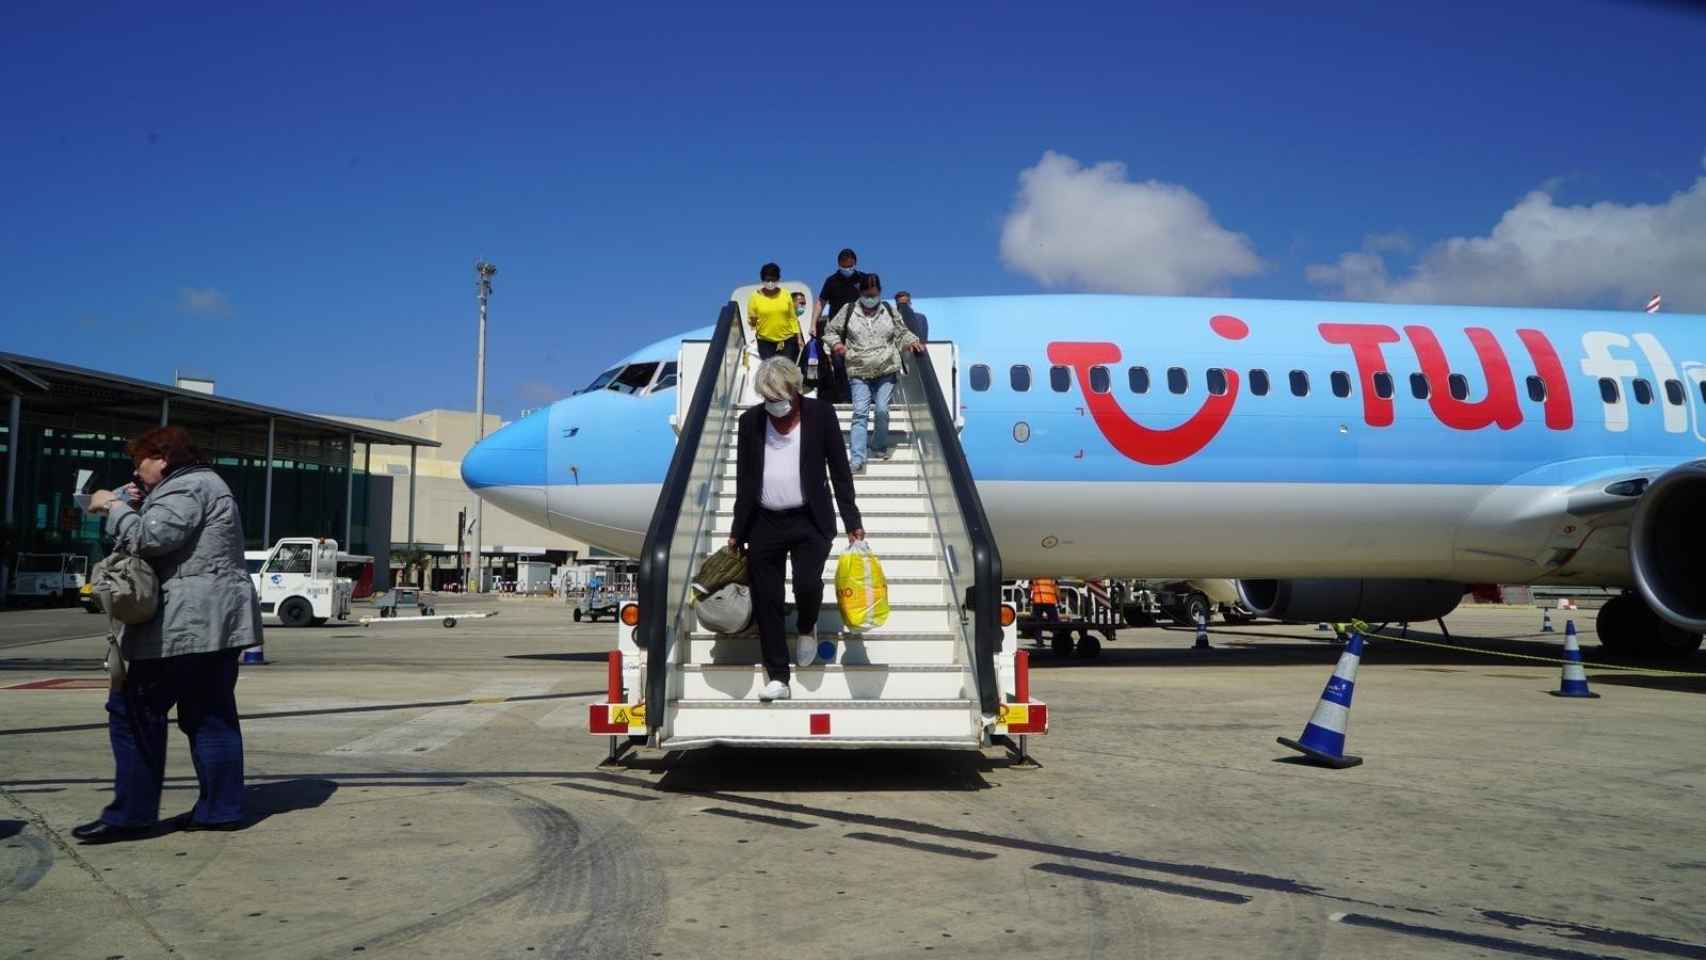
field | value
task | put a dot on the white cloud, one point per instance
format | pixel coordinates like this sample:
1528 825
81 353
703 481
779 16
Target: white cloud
1542 254
1091 228
204 302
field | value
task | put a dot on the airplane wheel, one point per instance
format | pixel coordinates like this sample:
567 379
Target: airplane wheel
577 615
1062 644
1089 647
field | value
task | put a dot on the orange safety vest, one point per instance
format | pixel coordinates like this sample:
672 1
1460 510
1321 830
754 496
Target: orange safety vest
1043 591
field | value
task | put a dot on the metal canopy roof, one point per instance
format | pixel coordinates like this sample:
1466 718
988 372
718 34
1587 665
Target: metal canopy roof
62 387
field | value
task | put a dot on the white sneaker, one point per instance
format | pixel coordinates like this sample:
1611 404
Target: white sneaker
774 690
805 649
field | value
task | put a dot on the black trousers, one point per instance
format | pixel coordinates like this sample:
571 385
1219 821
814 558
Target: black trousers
780 536
789 348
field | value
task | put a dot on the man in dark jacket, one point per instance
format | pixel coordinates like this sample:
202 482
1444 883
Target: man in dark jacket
788 452
917 322
839 289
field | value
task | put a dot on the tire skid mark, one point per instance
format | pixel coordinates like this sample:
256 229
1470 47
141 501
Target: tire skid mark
606 880
33 866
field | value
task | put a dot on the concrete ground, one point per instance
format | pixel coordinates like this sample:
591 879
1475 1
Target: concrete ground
401 807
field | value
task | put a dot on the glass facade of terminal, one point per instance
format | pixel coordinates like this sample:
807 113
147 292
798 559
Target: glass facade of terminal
309 482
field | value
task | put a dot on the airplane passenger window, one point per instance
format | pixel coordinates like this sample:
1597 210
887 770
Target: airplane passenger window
1099 379
1419 386
1177 380
1059 378
1642 389
1675 393
1139 379
1299 383
1019 376
666 378
1459 385
1703 391
980 376
1216 381
1383 385
1341 383
1537 389
633 378
1608 389
1259 382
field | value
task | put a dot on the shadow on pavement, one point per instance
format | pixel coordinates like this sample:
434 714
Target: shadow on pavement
819 771
11 828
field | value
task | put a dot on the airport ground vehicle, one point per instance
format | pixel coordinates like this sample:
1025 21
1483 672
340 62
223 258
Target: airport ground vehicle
52 579
532 576
358 570
394 601
1182 601
298 582
1085 609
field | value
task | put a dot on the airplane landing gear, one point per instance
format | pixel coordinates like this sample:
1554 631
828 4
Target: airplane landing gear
1628 627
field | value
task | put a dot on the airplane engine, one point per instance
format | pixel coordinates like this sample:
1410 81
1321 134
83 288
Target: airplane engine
1664 546
1378 601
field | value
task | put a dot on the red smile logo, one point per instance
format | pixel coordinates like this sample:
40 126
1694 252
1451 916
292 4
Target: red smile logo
1155 448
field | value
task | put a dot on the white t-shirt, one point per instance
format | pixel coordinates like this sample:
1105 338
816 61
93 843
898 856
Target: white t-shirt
781 489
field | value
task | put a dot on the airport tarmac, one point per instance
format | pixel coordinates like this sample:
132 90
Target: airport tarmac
423 792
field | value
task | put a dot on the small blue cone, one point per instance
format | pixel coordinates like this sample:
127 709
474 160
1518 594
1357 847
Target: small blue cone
1201 646
1574 680
255 655
1323 626
1546 621
1323 739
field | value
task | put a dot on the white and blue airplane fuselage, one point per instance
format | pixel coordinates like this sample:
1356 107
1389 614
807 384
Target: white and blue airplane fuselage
1134 436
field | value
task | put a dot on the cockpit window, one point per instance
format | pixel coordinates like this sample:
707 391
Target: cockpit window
666 379
603 380
634 378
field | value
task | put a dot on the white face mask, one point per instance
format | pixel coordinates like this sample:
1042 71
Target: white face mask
870 303
771 286
779 408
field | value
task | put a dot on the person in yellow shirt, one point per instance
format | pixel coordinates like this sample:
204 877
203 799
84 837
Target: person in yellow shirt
771 312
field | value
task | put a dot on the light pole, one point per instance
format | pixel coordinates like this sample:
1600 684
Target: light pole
483 273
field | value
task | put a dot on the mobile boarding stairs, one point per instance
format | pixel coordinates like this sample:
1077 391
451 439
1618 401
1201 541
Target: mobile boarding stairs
942 672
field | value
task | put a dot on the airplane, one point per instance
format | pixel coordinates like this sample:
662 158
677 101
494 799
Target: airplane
1339 459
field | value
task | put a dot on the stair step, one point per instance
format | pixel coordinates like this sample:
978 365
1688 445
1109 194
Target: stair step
882 544
873 649
896 565
954 720
875 523
902 454
870 504
834 682
903 617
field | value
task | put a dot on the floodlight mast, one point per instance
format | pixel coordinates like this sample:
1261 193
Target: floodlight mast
483 273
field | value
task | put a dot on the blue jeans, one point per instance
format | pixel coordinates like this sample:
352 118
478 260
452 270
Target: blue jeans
203 687
863 390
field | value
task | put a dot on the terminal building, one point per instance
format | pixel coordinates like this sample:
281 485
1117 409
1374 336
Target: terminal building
294 474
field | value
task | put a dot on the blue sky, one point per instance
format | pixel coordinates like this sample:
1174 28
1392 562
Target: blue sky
293 202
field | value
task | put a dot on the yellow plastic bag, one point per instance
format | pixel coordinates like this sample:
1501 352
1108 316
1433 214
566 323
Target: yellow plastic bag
860 588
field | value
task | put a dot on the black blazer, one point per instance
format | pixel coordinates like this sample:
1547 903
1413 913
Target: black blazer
822 459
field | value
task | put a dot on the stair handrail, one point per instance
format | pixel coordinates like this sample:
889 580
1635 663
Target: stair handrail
665 619
983 597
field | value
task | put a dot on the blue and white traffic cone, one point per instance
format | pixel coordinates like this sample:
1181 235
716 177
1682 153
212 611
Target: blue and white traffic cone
1323 739
1546 620
255 655
1574 681
1201 646
1319 627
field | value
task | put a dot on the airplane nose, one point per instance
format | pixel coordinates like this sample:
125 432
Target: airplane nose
508 468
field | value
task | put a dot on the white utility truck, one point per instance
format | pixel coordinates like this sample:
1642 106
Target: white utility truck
50 578
298 582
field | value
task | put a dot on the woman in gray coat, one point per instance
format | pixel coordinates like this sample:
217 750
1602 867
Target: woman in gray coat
184 521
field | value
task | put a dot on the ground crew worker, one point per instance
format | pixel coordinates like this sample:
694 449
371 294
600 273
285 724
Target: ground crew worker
1045 599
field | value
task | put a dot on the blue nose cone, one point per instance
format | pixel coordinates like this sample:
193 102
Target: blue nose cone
514 456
